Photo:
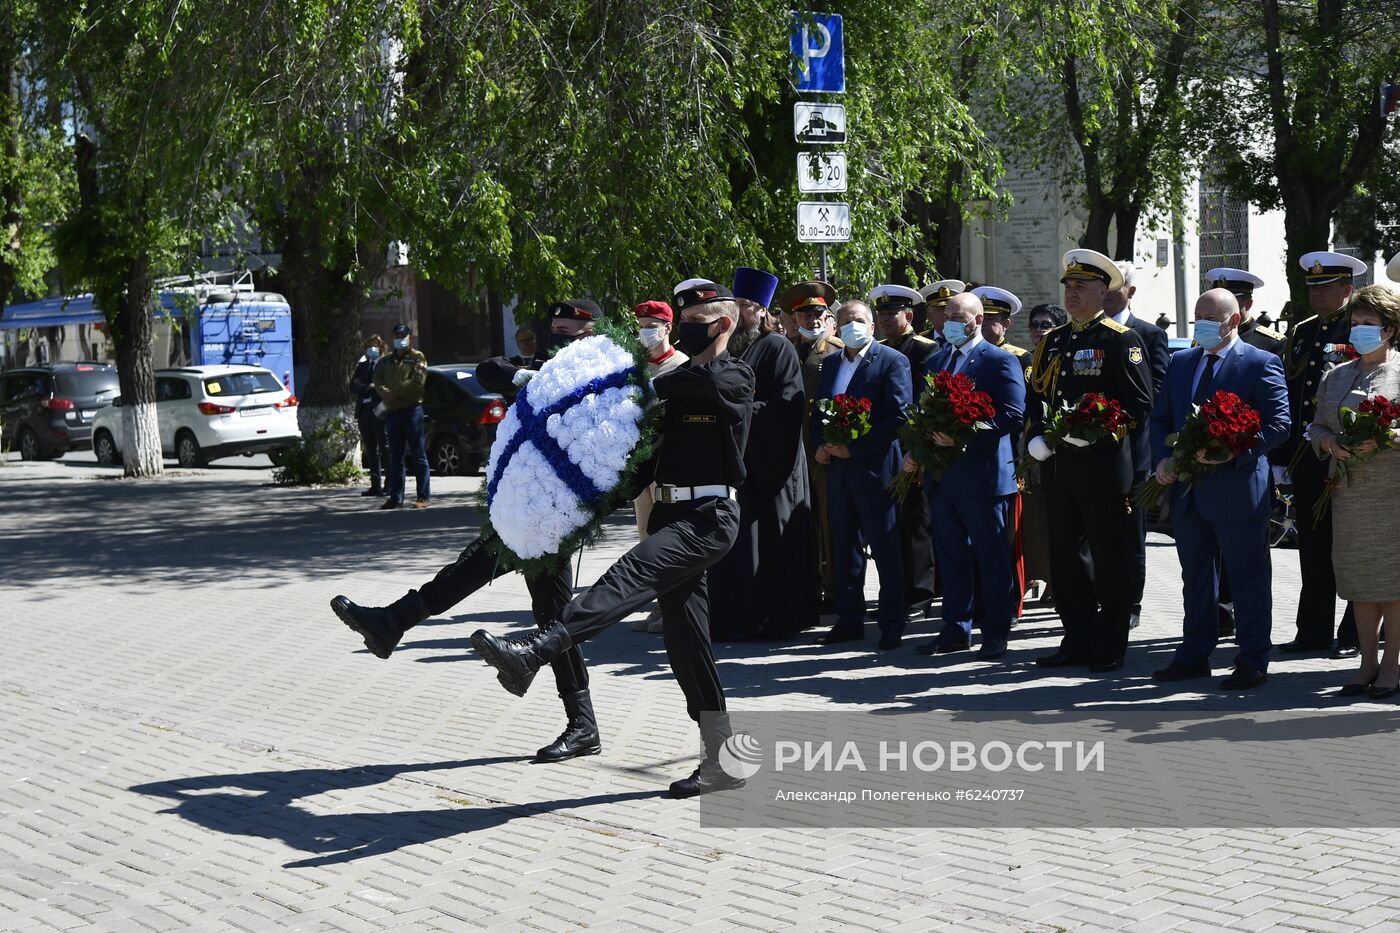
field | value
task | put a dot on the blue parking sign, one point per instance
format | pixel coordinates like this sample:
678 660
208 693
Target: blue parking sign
818 53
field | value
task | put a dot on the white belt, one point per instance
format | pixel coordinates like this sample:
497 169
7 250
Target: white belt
668 494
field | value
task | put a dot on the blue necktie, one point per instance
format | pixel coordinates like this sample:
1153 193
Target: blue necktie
1203 387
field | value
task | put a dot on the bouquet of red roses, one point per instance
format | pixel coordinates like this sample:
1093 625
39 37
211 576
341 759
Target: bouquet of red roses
950 405
1093 418
1219 429
1376 420
845 418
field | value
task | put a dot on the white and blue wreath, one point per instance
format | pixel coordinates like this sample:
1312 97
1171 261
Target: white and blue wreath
566 446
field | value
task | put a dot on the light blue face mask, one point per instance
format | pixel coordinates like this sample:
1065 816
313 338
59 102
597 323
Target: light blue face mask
1207 334
372 354
809 333
401 343
855 334
955 332
1366 338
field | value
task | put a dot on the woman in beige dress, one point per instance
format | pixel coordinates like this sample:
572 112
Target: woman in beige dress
1365 547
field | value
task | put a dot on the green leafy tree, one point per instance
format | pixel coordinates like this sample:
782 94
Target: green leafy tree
611 149
158 105
1123 78
320 181
35 185
1309 100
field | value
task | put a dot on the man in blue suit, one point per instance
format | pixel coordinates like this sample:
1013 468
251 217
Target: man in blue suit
972 502
858 476
1226 510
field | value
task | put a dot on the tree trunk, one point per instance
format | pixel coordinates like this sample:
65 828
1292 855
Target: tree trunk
10 192
133 334
1125 236
1307 225
1096 227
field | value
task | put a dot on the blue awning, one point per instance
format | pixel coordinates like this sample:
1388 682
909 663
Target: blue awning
58 312
51 312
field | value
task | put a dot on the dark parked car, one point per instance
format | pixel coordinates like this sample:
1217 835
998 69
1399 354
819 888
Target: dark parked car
47 410
461 419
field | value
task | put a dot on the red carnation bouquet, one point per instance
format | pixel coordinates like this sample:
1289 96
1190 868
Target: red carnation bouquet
845 418
950 405
1221 428
1375 419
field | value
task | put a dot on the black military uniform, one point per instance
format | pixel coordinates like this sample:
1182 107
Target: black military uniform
915 524
1315 346
705 424
478 565
1088 488
1262 338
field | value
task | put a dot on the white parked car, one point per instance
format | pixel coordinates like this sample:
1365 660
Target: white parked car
208 412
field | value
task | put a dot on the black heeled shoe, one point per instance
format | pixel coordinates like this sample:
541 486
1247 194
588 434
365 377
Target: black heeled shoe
1355 690
1384 693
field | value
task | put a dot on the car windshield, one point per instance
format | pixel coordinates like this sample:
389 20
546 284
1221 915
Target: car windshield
85 382
249 383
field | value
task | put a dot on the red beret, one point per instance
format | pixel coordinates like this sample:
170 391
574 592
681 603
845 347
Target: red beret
656 309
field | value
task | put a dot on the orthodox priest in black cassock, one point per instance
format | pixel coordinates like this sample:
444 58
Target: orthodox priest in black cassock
766 587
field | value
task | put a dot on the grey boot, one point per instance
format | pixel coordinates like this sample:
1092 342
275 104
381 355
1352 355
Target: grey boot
580 736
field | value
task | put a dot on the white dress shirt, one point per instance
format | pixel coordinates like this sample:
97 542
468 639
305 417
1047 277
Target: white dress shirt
846 370
959 358
1122 317
1219 353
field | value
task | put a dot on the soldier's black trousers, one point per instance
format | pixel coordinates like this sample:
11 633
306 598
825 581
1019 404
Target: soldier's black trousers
684 540
477 566
1317 602
1094 592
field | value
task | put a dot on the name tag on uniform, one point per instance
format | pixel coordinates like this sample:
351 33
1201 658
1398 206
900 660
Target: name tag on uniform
1088 362
699 419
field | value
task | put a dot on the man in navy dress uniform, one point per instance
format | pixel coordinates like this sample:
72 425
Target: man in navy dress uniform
1315 345
971 503
1224 511
858 476
1088 488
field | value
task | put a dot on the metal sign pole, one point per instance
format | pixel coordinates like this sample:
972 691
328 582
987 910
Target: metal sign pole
821 271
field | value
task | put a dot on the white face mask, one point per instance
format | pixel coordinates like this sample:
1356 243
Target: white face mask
855 334
809 333
650 337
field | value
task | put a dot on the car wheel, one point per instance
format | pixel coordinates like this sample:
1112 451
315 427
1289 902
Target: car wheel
276 456
446 457
105 449
28 445
187 451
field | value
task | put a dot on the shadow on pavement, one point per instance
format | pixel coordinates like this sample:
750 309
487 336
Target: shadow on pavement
263 804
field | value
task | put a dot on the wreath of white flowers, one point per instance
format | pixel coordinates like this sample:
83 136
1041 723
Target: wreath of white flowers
573 436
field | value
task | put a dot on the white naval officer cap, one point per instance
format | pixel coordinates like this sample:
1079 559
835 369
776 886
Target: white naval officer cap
1321 267
939 292
1088 265
997 300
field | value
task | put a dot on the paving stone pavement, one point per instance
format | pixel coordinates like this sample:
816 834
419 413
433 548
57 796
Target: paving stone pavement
194 742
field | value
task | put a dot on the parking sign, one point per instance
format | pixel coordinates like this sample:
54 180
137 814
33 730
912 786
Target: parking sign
818 53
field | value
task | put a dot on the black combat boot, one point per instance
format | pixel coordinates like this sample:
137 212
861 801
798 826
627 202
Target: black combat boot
518 658
580 736
381 628
710 776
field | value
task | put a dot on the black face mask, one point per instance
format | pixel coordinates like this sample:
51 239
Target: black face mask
559 340
693 337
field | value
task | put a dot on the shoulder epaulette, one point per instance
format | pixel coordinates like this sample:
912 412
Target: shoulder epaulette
920 339
833 341
1306 320
1014 350
1267 332
1113 325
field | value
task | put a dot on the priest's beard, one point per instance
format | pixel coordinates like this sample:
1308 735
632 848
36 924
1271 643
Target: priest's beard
743 339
